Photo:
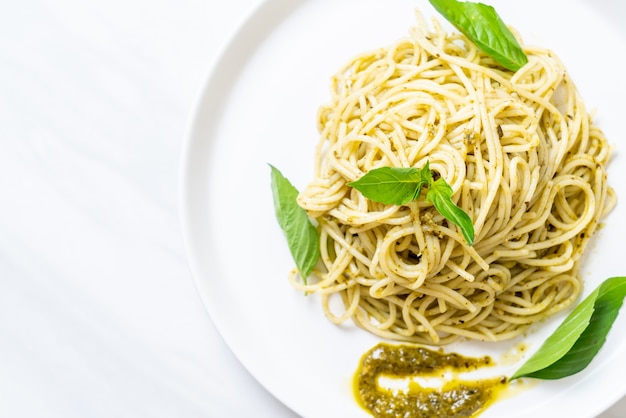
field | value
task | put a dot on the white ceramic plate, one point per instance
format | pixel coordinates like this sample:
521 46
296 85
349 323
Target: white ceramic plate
259 106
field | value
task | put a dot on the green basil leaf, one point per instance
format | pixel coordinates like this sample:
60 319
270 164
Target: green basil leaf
399 186
392 185
578 339
483 26
302 236
440 195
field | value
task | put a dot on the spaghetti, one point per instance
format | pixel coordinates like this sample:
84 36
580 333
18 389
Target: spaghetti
519 150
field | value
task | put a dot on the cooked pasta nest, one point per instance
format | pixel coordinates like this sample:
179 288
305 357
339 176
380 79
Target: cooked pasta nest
519 150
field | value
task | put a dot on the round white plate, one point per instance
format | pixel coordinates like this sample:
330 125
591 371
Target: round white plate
259 107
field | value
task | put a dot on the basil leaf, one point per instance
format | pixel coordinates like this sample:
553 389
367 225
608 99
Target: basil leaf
399 186
392 185
483 26
578 339
440 195
302 236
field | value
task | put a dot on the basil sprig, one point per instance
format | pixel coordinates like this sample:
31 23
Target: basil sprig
302 236
483 26
401 185
581 335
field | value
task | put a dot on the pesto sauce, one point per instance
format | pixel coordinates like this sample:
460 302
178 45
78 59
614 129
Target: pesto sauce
455 398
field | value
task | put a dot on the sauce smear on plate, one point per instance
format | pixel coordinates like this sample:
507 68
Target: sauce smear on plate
448 396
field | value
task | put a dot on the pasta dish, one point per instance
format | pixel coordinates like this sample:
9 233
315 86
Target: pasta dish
525 162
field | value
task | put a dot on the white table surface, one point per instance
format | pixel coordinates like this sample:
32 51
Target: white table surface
99 316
